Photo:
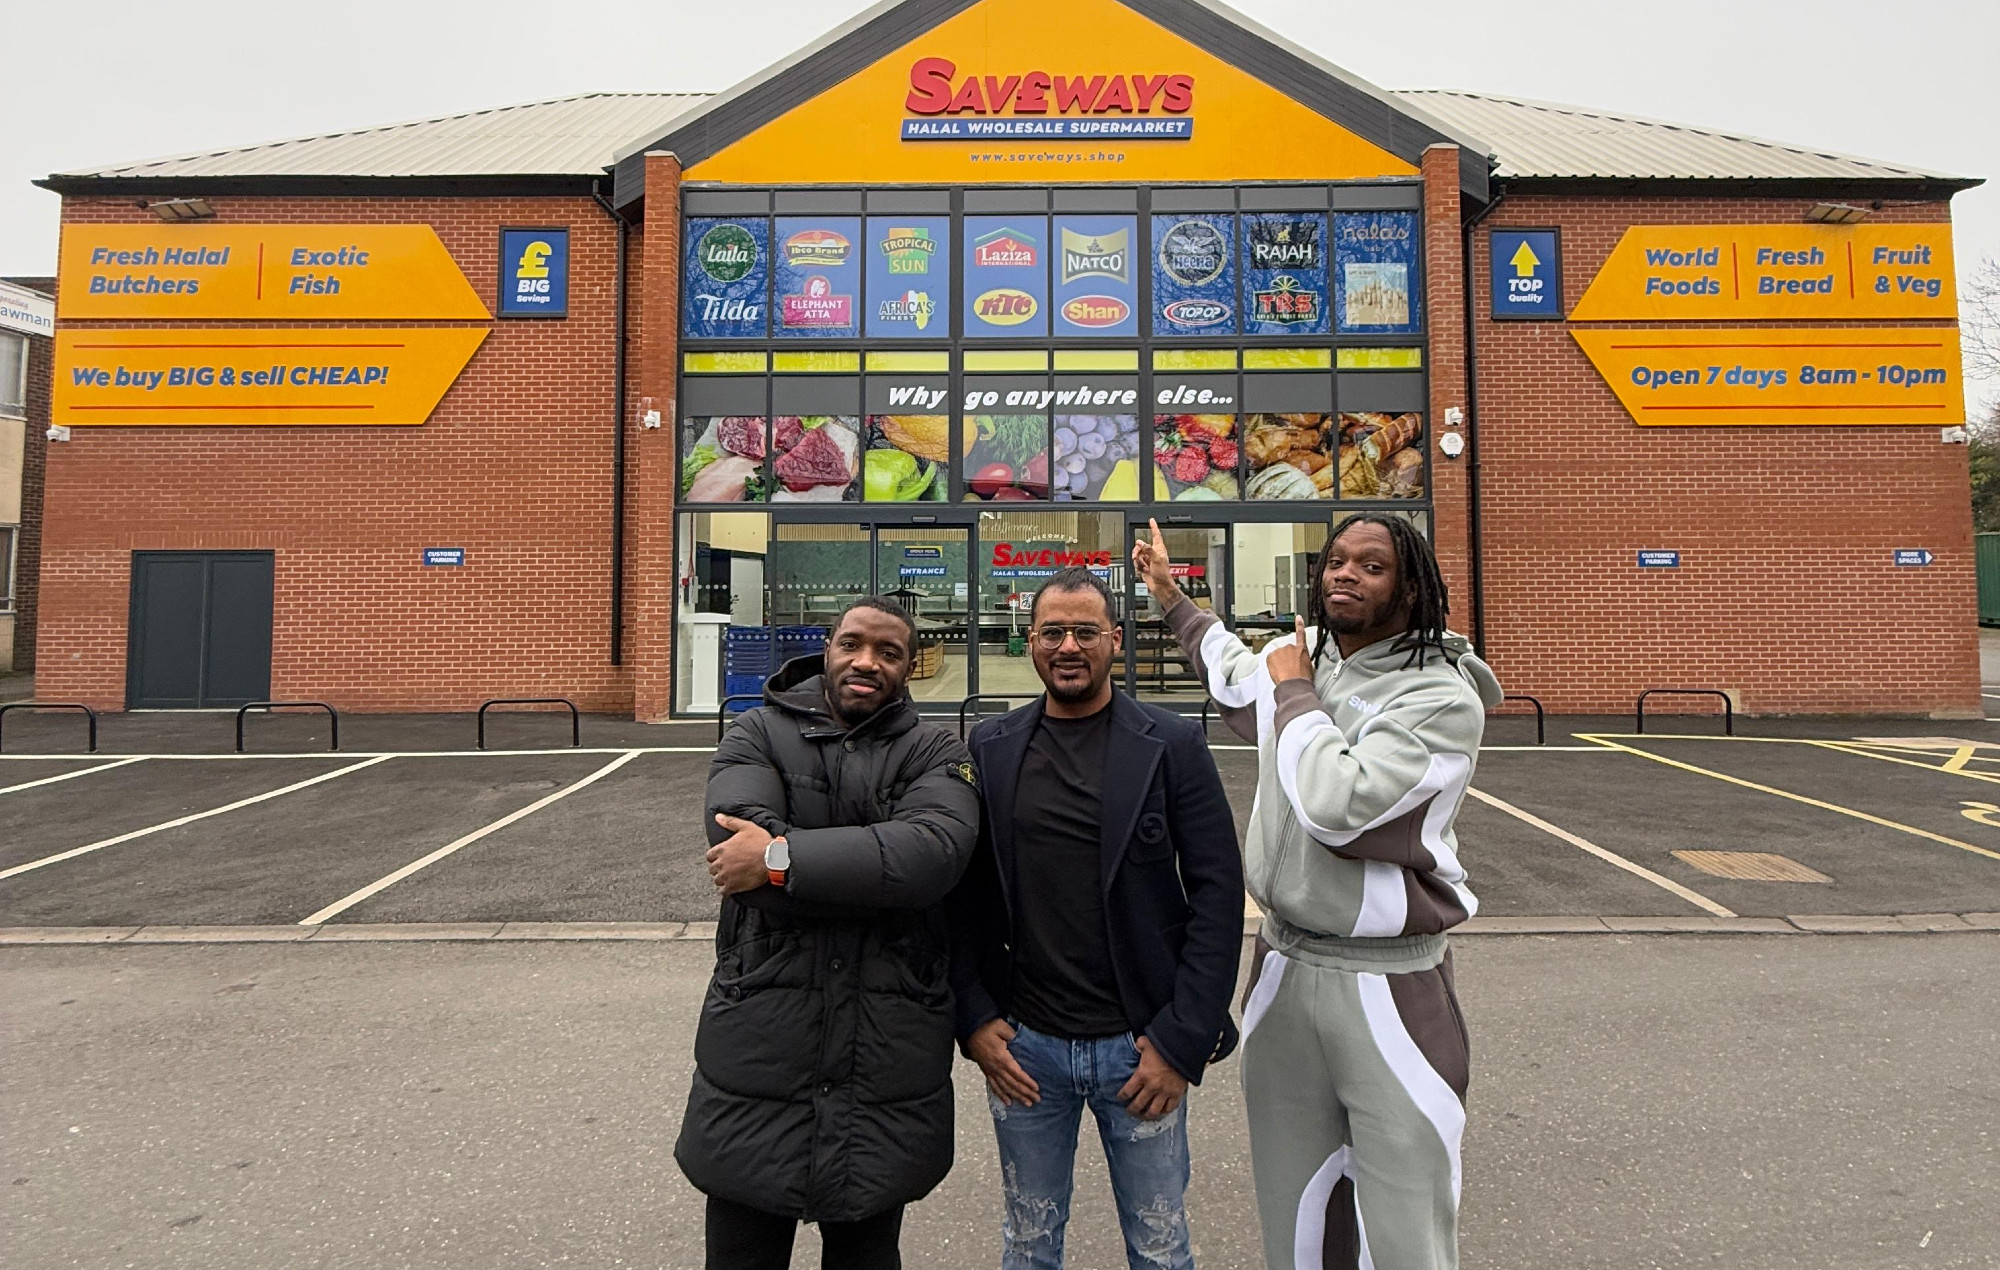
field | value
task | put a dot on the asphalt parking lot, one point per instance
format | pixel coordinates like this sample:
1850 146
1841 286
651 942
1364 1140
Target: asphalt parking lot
167 827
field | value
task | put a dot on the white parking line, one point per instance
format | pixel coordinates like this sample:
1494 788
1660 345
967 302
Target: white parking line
1695 898
73 852
70 776
340 906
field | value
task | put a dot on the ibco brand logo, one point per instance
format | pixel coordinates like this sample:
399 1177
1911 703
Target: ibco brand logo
1095 256
1095 311
727 253
1193 313
816 247
933 92
1004 306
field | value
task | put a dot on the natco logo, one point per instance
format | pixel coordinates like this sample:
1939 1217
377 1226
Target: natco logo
726 253
1004 306
1096 256
817 247
1193 313
1005 248
1095 311
909 250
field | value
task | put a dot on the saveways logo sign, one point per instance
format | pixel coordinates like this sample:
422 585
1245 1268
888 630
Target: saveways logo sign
1035 105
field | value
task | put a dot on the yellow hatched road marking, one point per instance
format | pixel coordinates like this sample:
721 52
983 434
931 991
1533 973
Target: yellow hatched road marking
1801 798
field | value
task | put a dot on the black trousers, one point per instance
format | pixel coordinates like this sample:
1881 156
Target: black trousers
745 1238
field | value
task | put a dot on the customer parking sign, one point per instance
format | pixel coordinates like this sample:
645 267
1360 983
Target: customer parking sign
534 273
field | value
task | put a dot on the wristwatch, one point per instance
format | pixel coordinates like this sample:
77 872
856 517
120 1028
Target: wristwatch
778 861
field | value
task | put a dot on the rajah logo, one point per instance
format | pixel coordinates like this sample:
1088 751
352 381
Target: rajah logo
1004 306
816 247
1284 244
1196 312
727 253
1005 248
1095 256
1095 311
909 250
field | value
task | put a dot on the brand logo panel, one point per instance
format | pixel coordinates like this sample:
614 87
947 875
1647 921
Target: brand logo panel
1194 274
909 276
1284 273
1096 291
1006 276
725 271
819 277
1377 273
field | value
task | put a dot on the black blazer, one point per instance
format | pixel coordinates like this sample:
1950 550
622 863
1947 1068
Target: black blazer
1170 872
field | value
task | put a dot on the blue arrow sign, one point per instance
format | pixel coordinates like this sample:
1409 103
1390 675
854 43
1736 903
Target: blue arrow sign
1913 557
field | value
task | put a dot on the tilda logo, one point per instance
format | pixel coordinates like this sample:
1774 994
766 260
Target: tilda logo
937 89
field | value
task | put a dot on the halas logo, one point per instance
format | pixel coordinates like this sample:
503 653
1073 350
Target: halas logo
1284 244
1194 253
1004 306
817 247
1095 256
934 92
911 306
1287 303
727 253
818 307
909 250
1095 311
1194 313
1005 248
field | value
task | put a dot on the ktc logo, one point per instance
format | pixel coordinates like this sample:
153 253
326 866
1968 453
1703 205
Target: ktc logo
1004 306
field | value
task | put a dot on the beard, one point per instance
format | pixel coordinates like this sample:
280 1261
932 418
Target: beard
1092 684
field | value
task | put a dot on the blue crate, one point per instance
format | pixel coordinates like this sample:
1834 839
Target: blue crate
746 650
800 641
735 685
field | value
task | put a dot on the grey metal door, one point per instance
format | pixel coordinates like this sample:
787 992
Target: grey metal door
200 632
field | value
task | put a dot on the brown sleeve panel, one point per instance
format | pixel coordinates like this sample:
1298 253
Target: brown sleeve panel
1433 907
1429 1010
1257 952
1189 624
1399 842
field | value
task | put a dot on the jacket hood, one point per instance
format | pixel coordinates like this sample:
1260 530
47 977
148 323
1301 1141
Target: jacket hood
799 689
1384 657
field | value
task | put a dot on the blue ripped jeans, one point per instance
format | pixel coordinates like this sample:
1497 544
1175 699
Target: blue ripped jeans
1148 1158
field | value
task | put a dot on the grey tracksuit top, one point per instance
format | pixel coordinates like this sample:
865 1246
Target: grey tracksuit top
1359 777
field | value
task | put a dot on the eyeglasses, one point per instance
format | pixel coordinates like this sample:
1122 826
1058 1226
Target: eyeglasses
1051 636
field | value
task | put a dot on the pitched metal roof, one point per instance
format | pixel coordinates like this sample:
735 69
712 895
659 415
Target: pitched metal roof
1547 140
581 135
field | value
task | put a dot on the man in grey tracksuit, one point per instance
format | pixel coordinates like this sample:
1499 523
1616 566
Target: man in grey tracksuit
1355 1058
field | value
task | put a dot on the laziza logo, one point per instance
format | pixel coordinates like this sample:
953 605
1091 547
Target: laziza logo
1284 244
726 253
909 251
1005 248
816 247
1096 256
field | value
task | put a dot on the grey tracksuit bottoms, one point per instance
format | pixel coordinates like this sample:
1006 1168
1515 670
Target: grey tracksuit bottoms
1355 1067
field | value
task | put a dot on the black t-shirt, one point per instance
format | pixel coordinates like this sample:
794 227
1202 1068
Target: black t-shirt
1064 985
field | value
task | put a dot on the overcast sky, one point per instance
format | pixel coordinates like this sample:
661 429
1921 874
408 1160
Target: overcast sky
90 82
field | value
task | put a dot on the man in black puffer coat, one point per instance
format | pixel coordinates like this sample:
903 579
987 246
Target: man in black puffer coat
822 1086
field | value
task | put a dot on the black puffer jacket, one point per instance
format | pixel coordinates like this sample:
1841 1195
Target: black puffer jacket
822 1085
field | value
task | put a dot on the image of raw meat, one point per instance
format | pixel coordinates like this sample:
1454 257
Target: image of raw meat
822 464
1195 457
722 459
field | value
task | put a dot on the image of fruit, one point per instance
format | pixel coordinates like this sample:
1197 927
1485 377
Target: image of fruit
884 471
1122 485
988 481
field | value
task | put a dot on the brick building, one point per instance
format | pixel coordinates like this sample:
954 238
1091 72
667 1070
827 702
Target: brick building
619 397
27 328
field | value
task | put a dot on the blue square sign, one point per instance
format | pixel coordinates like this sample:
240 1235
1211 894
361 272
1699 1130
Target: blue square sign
534 273
1526 271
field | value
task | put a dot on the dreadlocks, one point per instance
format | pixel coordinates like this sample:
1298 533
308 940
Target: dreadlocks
1416 574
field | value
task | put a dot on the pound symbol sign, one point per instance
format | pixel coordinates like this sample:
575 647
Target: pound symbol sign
534 260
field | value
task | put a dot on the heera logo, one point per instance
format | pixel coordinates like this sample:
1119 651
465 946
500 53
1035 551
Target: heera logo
1095 311
1287 303
1284 244
933 92
1095 256
1193 313
1004 306
1193 253
1005 248
909 250
818 306
911 306
726 253
817 247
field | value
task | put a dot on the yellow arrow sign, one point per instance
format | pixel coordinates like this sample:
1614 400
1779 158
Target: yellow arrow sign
155 378
1524 260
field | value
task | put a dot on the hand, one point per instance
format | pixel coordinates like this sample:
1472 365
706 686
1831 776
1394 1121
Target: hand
988 1047
1155 1089
1150 560
737 862
1290 661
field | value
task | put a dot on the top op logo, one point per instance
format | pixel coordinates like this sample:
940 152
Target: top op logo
727 253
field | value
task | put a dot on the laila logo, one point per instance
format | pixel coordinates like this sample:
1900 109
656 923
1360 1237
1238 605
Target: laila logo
727 253
1005 248
1095 311
1095 256
933 92
1193 313
1284 244
1287 303
534 262
911 306
1194 253
816 247
1004 306
909 250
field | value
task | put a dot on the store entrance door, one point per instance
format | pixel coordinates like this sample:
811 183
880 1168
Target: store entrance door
1156 668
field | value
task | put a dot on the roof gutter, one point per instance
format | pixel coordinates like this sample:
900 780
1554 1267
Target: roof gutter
617 432
1475 537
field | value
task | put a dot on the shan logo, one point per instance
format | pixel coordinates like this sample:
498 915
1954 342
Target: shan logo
727 253
911 306
1196 313
909 251
1095 312
1005 248
1285 244
1004 306
1193 253
1096 256
1287 303
817 247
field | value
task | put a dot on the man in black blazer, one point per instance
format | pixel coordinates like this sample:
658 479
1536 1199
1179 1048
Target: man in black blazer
1096 935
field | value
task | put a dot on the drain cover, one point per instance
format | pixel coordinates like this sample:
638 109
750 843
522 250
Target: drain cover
1751 866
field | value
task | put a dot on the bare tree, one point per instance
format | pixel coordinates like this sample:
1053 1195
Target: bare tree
1979 321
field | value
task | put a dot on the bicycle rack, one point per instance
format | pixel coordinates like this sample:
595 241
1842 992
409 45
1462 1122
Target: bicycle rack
332 716
723 714
966 704
1541 716
54 705
575 720
1728 710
